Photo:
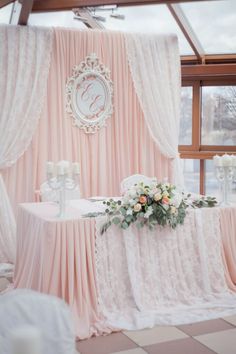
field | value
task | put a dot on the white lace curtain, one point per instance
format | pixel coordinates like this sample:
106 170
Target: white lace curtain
24 65
155 68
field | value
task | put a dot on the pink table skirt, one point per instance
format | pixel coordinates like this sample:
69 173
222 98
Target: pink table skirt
228 232
57 257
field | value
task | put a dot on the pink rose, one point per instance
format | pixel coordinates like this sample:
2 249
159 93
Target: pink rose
165 200
143 199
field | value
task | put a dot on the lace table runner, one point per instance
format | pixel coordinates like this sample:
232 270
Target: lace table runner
163 276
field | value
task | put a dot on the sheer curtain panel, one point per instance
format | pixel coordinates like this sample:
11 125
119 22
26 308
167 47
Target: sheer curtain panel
24 65
157 81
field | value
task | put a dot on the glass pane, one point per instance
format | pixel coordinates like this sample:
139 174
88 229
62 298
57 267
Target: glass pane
148 19
212 185
191 175
59 18
219 115
214 23
5 13
185 130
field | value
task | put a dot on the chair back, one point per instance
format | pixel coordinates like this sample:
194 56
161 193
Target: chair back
130 181
47 194
50 315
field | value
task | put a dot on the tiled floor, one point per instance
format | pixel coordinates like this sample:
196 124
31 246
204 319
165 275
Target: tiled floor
209 337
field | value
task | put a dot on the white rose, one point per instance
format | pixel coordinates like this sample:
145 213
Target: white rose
137 207
157 197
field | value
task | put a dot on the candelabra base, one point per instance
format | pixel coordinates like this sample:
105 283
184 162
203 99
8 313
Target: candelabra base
61 216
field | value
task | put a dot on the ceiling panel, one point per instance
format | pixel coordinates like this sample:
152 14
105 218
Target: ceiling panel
214 22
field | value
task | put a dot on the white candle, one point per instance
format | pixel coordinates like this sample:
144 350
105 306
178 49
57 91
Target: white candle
50 167
76 169
217 161
26 340
226 160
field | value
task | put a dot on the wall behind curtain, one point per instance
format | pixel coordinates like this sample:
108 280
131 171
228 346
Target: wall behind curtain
122 148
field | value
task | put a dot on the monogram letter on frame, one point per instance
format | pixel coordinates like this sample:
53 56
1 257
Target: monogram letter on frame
89 93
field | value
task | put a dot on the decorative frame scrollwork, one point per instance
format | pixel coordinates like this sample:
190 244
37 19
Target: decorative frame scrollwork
89 94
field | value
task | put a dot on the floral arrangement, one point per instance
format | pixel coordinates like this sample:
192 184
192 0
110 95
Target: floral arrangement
147 205
151 205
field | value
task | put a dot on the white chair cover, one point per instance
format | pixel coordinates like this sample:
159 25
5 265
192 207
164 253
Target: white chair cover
49 195
51 315
130 181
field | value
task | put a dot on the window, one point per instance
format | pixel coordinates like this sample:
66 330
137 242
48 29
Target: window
207 128
191 169
219 115
212 186
185 135
5 13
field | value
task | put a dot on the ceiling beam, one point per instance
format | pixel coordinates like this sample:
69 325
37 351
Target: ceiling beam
187 30
26 9
21 11
60 5
5 2
90 22
209 70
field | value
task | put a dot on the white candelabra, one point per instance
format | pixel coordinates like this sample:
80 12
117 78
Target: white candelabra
225 167
62 176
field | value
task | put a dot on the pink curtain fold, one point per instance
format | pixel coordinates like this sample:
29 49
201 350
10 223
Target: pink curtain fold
59 260
228 231
122 148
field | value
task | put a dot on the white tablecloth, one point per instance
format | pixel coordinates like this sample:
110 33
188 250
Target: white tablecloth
164 276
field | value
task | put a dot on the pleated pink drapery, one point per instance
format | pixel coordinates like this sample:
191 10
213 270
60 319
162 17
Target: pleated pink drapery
122 148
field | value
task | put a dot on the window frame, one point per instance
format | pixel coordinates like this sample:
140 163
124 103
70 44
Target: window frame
196 150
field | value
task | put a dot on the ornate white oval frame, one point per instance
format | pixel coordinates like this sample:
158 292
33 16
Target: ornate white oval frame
89 94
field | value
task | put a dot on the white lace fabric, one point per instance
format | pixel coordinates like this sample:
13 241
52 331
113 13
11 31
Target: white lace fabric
25 54
164 276
157 82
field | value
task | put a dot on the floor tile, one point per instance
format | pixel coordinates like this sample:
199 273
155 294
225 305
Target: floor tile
180 346
155 335
231 319
199 328
221 342
114 342
132 351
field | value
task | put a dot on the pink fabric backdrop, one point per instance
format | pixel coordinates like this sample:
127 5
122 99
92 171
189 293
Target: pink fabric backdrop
122 148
